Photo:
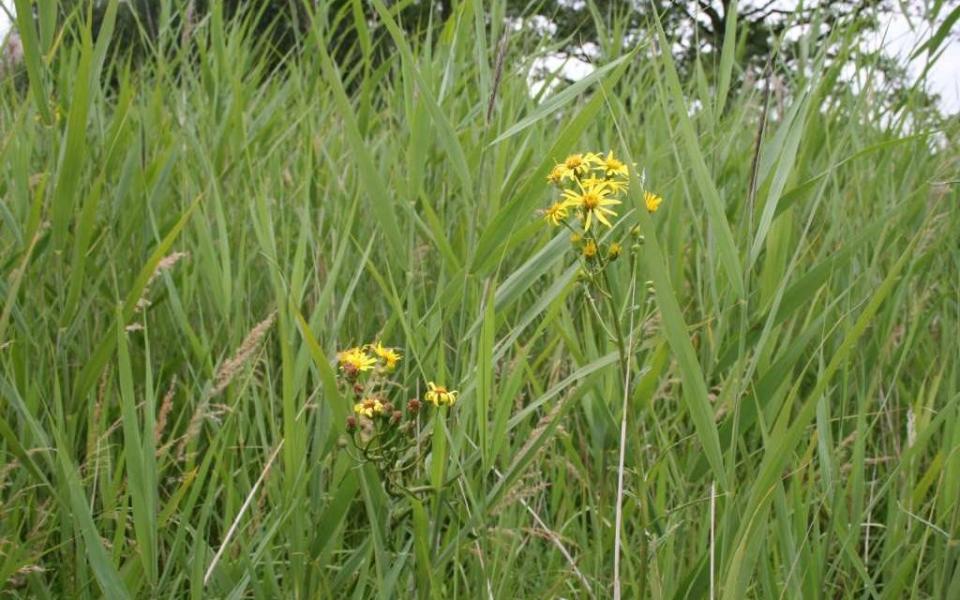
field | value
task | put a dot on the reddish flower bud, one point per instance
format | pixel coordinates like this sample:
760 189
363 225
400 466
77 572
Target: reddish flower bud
349 371
388 407
413 407
358 389
351 424
395 417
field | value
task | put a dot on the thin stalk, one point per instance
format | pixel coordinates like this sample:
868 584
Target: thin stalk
625 374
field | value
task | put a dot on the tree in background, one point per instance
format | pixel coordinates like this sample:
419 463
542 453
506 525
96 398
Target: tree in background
770 38
769 34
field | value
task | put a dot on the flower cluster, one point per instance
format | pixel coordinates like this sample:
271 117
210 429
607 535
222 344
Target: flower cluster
591 186
365 370
384 428
357 360
595 182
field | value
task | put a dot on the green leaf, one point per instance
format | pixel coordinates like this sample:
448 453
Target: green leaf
787 434
91 371
562 98
701 175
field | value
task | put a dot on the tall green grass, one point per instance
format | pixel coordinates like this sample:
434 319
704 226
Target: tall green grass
793 425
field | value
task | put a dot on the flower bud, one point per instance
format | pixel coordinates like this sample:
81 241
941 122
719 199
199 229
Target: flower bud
395 417
413 406
387 407
351 424
358 389
589 250
349 371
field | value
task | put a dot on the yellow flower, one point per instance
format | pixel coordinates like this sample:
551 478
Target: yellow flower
556 175
614 251
369 407
556 213
615 185
389 356
578 164
592 202
355 360
612 166
438 395
652 201
590 249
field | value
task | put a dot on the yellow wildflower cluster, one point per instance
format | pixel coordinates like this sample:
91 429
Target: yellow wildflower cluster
384 429
591 188
595 180
359 359
365 374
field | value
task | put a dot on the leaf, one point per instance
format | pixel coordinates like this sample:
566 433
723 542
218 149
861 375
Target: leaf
91 371
936 40
74 152
701 175
785 437
485 380
103 569
382 205
32 58
558 100
448 137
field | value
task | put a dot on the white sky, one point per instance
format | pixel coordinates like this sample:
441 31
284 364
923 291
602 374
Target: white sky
898 37
4 19
901 39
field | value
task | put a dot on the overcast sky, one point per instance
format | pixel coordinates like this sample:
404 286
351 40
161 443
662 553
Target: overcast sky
899 37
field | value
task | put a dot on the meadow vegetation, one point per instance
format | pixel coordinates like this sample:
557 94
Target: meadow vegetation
208 253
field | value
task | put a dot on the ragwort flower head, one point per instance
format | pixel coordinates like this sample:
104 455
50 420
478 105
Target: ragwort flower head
592 202
389 356
613 252
439 395
652 201
355 360
369 407
589 249
556 213
577 165
611 166
556 174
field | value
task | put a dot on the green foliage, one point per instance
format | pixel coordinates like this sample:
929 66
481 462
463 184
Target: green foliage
185 245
